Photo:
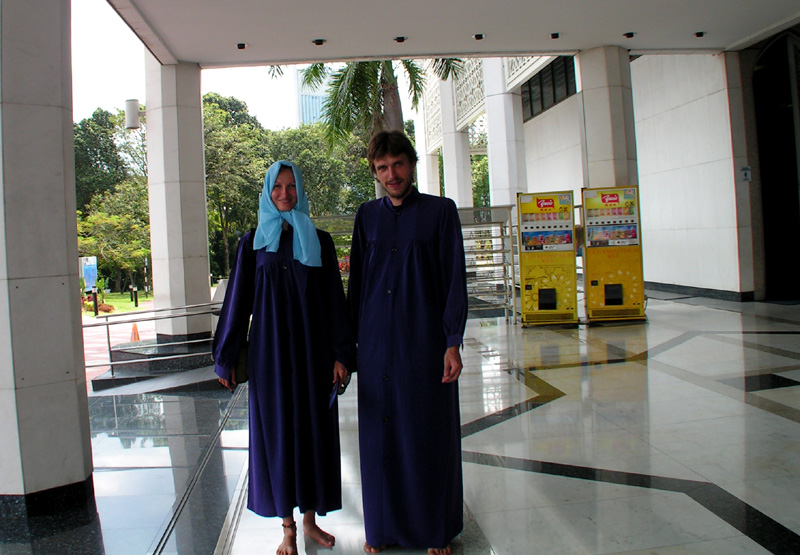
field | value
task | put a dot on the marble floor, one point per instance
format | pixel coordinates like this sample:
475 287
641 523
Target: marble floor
680 434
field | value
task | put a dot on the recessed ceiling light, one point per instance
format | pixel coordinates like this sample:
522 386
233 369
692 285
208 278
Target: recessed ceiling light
555 35
241 45
700 34
319 42
400 39
628 35
478 36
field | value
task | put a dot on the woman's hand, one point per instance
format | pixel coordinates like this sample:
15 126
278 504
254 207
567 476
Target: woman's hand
340 373
230 385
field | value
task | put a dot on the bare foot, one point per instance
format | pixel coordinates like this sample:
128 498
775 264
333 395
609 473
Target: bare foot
289 544
369 549
440 550
317 534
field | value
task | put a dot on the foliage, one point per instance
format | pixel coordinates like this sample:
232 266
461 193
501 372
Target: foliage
99 166
235 108
116 230
359 185
480 180
365 96
111 194
323 174
131 144
235 156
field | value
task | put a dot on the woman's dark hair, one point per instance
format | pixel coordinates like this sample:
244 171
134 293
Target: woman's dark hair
393 143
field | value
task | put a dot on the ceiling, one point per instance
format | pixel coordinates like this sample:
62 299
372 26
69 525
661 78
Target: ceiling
211 32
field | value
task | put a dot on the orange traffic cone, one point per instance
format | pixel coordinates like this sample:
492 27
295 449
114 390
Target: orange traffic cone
134 333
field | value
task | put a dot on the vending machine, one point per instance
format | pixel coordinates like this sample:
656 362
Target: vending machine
547 269
613 275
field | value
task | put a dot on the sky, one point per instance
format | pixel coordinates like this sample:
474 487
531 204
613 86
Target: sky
108 69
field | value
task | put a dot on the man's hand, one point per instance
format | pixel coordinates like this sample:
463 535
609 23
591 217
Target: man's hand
340 373
452 365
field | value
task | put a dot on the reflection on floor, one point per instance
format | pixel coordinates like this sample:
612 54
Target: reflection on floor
678 435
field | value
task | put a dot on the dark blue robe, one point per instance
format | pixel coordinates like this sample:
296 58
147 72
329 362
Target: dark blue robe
300 326
408 297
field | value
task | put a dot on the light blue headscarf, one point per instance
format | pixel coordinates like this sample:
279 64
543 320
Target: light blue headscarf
268 233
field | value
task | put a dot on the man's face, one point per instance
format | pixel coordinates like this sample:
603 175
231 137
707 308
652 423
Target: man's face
396 174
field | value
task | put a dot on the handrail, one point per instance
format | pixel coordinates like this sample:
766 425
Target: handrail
135 316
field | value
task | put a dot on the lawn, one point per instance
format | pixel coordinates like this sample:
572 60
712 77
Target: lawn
120 301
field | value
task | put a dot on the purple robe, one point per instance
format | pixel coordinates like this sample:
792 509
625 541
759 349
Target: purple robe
300 326
408 297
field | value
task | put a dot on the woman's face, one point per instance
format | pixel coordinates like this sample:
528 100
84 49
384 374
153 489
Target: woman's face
284 193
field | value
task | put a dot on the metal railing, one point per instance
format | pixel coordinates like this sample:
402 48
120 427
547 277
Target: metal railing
137 317
489 244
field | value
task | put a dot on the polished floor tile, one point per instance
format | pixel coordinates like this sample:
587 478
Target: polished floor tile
676 435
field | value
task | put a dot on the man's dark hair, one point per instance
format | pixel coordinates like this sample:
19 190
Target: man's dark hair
393 143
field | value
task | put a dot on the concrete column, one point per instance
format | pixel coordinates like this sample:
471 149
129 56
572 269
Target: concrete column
739 68
610 139
44 423
428 164
506 147
455 150
178 218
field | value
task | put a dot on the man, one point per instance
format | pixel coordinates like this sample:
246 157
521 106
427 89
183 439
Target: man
408 295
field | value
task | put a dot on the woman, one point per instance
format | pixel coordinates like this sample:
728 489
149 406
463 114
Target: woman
287 277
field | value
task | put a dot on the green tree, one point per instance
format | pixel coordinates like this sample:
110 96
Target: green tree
99 167
131 144
236 109
480 180
116 229
359 186
324 176
235 156
365 95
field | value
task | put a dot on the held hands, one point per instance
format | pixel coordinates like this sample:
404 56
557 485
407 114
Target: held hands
452 365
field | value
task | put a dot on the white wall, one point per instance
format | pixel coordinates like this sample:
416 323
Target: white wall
686 171
553 152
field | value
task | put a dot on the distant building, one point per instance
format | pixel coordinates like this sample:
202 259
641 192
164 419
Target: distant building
309 100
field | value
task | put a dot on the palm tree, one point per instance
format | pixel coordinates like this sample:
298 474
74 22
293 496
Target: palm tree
364 96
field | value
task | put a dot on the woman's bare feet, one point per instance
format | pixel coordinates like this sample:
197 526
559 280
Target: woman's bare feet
289 544
440 550
316 533
370 549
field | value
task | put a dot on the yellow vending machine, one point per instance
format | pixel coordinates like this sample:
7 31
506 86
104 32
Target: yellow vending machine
547 258
613 278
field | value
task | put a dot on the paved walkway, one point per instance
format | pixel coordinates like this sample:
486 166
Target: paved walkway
96 339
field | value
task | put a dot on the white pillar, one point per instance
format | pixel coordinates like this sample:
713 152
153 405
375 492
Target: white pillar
178 218
744 140
506 147
455 150
430 183
610 139
44 421
428 164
